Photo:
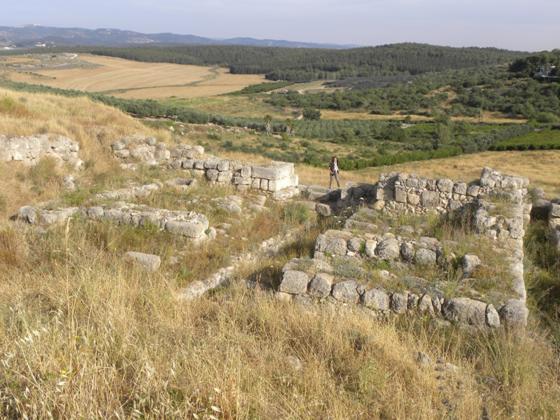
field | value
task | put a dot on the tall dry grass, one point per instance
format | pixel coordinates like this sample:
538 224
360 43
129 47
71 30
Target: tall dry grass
85 335
92 125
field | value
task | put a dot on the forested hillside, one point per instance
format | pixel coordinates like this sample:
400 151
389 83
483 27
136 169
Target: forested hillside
455 92
296 64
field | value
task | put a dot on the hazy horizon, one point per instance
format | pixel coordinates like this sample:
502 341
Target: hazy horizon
514 24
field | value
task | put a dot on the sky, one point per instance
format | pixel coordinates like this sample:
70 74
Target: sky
513 24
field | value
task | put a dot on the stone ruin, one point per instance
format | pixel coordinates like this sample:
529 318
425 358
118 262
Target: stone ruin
495 210
30 150
278 178
189 224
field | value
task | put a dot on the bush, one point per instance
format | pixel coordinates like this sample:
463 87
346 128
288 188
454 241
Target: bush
295 214
311 114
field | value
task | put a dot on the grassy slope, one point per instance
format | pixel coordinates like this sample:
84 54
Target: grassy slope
92 125
84 335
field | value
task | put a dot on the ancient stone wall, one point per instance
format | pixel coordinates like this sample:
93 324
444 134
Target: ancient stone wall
278 178
29 150
184 223
498 210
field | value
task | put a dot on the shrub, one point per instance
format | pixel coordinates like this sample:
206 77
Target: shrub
296 214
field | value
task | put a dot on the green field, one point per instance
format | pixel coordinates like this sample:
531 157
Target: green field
538 140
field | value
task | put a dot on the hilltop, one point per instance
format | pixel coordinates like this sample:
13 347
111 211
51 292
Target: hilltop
36 35
92 328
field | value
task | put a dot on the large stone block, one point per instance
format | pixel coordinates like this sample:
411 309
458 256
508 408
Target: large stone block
376 299
388 249
294 282
321 285
346 291
282 183
148 262
192 229
471 312
400 195
430 199
514 314
274 172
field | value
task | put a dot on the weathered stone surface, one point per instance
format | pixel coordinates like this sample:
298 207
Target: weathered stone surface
95 212
27 214
468 311
555 210
400 195
492 317
399 302
470 263
346 291
388 249
425 256
445 185
413 199
30 150
370 247
473 190
460 188
193 229
323 209
321 285
277 171
376 299
425 304
294 282
429 199
355 244
407 251
514 314
331 244
148 262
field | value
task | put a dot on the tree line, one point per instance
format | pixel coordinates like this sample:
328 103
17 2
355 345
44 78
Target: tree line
302 65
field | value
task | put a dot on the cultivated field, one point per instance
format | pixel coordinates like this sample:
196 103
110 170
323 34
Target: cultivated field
132 79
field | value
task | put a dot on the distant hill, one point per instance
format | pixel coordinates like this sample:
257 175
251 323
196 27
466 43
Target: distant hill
302 65
33 35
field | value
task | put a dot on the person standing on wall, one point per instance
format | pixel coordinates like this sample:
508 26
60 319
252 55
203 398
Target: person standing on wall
334 171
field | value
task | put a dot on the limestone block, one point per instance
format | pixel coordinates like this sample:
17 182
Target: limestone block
514 314
400 195
460 188
274 172
413 199
388 249
294 282
445 185
321 285
429 199
346 291
148 262
376 299
399 302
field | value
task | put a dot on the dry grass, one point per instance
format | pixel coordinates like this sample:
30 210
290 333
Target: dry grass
541 167
84 335
92 125
133 79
